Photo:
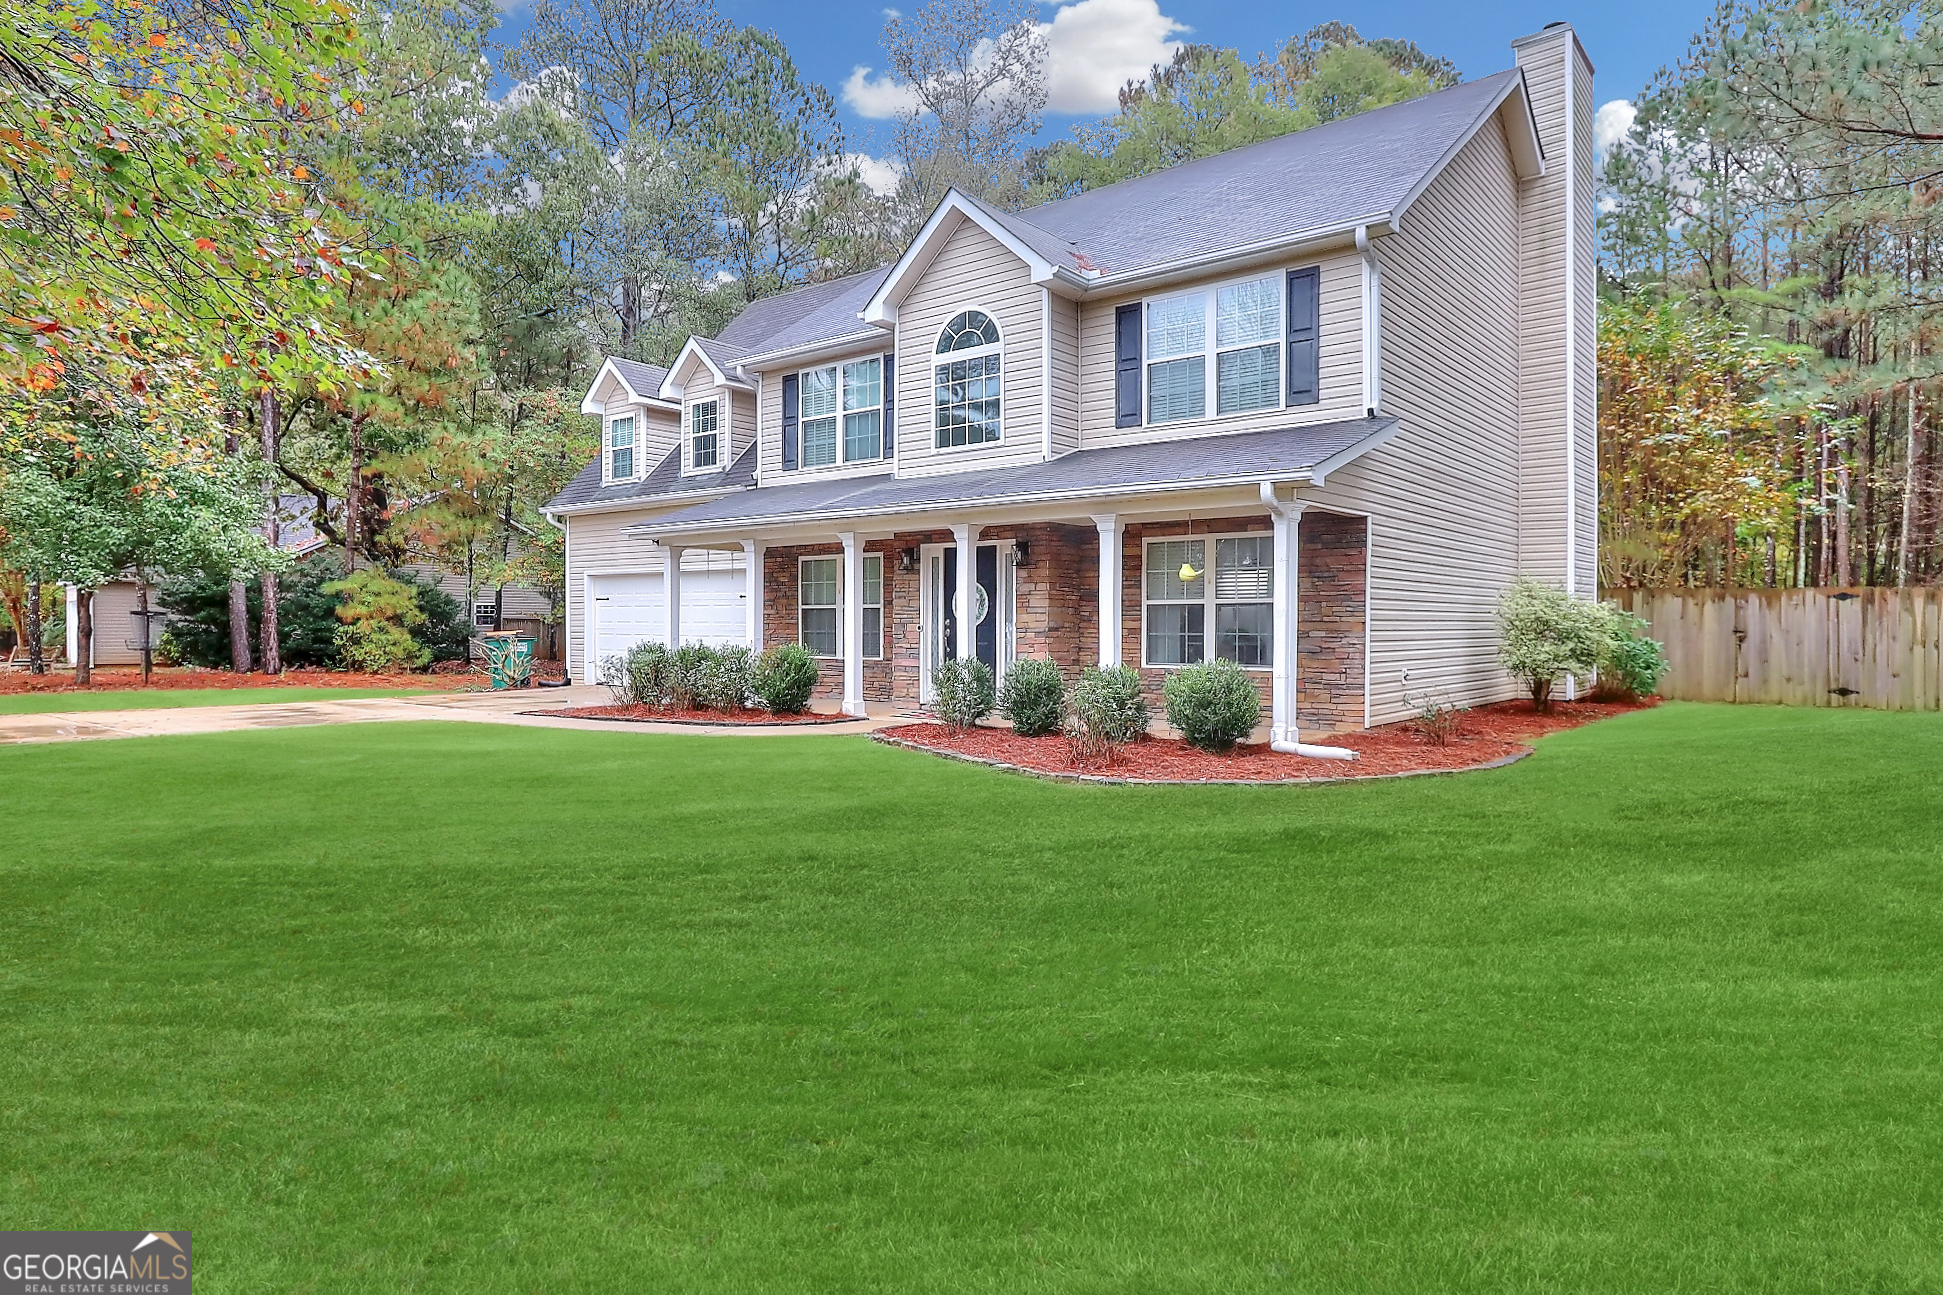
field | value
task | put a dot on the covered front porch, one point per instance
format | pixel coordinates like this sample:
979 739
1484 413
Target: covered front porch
1280 588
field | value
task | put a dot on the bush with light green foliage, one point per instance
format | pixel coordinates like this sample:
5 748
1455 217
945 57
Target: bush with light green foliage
1544 633
1033 697
726 678
1214 705
1630 663
689 667
643 674
378 614
1105 710
965 693
784 677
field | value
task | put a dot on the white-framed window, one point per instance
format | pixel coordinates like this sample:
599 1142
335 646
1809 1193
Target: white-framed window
818 617
841 414
485 616
1216 348
873 607
1191 613
704 435
965 395
620 449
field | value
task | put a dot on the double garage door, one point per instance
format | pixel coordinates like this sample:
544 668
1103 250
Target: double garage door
626 610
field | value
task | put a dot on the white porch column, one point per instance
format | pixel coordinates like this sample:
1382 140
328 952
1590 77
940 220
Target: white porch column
853 623
966 538
671 591
752 563
1111 529
1286 519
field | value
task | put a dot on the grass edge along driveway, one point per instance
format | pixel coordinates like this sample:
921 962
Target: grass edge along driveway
38 703
463 1007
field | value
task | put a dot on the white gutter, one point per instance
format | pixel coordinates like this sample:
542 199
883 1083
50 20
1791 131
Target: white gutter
873 336
644 501
1289 518
1571 332
1372 323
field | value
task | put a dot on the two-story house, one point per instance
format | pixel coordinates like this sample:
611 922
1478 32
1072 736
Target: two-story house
1308 405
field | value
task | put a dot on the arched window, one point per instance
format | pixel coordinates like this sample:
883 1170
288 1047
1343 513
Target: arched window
965 398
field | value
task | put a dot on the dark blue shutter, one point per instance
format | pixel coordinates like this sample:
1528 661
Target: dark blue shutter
890 405
789 423
1126 366
1304 307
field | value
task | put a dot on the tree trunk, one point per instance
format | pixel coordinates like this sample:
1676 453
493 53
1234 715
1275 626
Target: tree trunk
354 496
270 651
1843 571
141 617
36 659
84 636
239 627
1906 527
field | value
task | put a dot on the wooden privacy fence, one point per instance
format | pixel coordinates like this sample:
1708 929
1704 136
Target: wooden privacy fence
1879 648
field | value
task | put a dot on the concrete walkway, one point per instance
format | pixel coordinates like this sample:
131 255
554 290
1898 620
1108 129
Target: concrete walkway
475 708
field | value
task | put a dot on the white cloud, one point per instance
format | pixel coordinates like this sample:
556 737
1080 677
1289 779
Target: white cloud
879 174
1093 47
1096 46
1611 124
877 96
892 13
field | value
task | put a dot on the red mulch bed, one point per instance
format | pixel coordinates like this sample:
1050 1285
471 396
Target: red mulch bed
639 714
1493 734
120 677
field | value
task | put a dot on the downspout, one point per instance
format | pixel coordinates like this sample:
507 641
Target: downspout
1372 323
1289 519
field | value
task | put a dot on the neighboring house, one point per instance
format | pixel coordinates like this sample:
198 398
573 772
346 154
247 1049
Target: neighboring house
1308 405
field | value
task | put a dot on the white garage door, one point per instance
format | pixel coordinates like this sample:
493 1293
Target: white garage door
629 609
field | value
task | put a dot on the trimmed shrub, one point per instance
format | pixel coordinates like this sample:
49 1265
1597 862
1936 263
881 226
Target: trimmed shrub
379 647
1033 697
1544 632
1630 664
725 681
965 692
689 667
1214 705
784 678
1105 711
644 674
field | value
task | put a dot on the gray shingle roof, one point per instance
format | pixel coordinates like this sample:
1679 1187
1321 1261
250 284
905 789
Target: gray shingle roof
665 480
805 315
1320 178
1281 454
646 379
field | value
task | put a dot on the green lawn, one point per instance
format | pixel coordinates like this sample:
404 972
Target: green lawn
35 703
470 1008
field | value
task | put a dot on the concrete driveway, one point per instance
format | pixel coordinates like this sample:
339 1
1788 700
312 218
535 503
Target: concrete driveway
477 708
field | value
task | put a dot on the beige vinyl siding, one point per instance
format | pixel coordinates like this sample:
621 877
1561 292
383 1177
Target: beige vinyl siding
769 462
1585 308
1543 327
657 431
972 271
1065 396
116 639
595 546
738 419
1442 496
1341 363
522 602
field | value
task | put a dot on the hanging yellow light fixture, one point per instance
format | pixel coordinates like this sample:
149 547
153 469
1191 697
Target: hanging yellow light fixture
1188 574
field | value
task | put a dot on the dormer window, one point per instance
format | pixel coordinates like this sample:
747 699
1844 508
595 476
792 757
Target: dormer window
704 435
620 449
966 394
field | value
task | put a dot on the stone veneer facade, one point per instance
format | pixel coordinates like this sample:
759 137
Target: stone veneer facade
1056 614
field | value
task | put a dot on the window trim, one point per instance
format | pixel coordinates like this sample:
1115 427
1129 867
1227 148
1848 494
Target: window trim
881 605
1209 602
688 434
633 473
803 464
835 559
1211 350
938 357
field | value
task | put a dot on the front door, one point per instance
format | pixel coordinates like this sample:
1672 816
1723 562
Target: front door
985 607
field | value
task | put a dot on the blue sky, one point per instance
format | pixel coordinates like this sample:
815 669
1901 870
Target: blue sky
1097 43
